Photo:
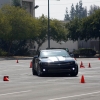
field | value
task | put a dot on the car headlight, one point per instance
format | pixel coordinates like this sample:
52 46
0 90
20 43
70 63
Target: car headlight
73 68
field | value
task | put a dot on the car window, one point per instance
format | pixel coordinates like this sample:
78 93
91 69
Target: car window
51 53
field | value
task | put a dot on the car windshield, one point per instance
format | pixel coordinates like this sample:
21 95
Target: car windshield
51 53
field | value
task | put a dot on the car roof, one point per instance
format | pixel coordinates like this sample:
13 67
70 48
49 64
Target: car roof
53 50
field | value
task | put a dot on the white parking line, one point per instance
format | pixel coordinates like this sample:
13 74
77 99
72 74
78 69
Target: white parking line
15 93
75 96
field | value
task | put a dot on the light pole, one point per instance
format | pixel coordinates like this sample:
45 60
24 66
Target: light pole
48 27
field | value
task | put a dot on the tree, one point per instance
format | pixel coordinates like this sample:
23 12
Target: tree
67 17
58 31
90 25
81 9
73 29
42 31
92 30
93 8
5 27
22 24
84 29
72 12
76 12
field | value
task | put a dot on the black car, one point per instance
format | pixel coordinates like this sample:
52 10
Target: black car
54 61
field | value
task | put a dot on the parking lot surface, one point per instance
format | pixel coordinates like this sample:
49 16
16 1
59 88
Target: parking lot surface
22 85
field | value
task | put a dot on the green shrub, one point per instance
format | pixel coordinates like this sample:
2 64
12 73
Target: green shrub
3 53
85 52
76 53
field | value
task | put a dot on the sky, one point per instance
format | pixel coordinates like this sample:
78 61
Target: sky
57 8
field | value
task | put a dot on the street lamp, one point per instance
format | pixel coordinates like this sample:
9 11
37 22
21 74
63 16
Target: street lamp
49 26
36 7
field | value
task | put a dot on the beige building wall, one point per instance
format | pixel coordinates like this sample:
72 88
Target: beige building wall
53 44
27 4
3 2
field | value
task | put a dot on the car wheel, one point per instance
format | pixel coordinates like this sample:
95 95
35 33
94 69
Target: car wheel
33 70
39 72
74 73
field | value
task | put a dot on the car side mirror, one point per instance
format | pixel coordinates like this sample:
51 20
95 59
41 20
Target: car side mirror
71 55
36 56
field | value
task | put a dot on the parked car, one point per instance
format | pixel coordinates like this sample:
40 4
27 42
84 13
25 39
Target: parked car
54 61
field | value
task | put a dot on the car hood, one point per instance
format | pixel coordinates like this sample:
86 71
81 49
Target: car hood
57 58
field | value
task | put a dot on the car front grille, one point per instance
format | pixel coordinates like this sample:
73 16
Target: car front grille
59 67
60 64
58 70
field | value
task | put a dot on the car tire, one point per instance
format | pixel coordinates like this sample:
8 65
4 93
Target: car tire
74 73
39 72
33 71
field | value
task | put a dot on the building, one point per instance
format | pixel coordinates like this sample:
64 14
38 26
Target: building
3 2
69 44
29 5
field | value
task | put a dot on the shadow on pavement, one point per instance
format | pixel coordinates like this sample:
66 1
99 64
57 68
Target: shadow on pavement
57 75
16 58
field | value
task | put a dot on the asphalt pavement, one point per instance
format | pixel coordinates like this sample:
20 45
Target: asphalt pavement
22 85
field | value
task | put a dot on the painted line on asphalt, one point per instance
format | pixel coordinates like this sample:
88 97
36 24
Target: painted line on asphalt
75 96
15 93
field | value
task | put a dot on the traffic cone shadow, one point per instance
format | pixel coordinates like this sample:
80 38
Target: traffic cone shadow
6 78
82 79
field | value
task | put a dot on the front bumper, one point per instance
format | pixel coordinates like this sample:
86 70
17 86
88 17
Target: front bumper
59 68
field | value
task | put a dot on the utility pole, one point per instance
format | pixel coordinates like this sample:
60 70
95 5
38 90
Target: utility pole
48 27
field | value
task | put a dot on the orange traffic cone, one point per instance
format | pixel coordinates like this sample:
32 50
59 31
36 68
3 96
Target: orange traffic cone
17 61
31 64
81 65
89 66
82 79
6 78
